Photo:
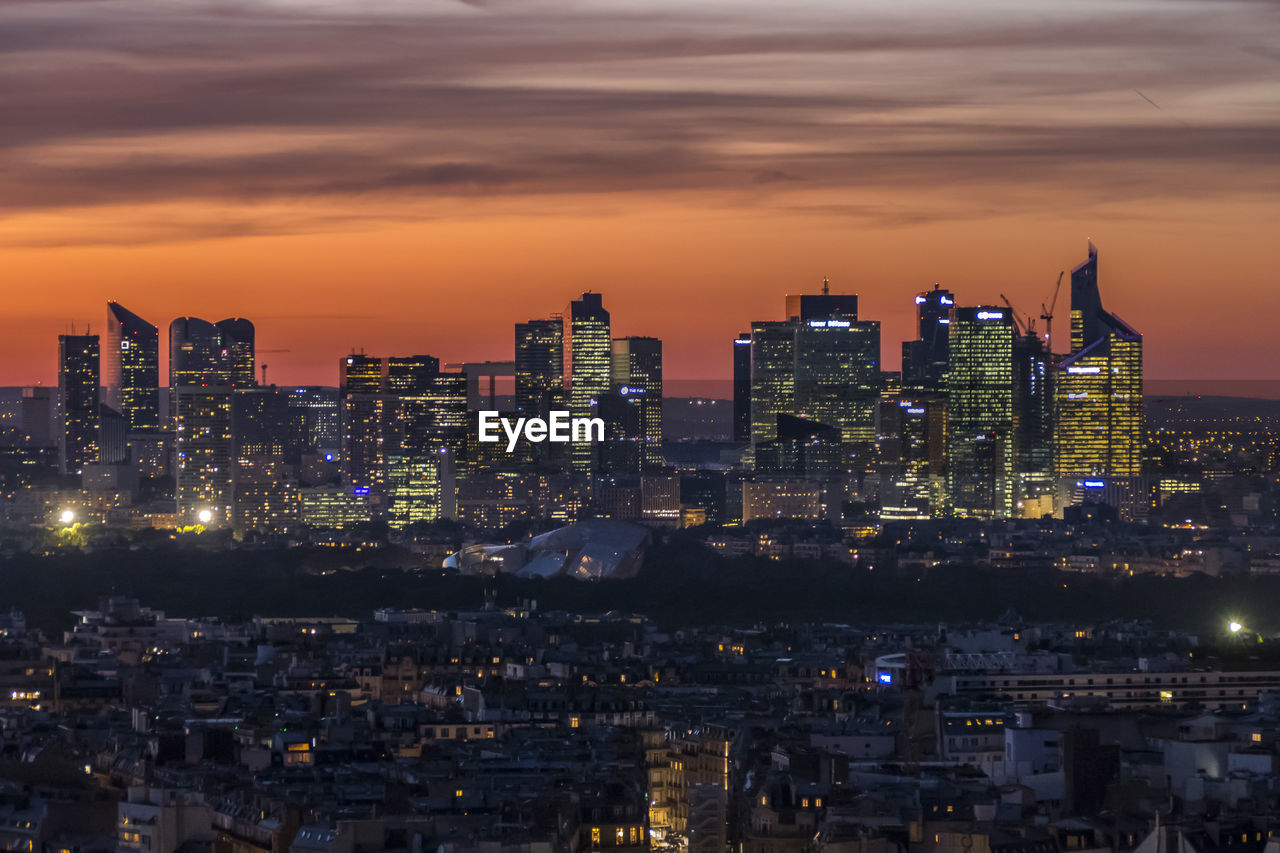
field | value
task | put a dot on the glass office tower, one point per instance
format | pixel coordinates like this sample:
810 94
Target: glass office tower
78 391
1098 401
980 413
539 367
131 368
588 351
637 377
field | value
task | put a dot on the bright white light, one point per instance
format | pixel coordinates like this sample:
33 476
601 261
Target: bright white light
1234 626
67 516
204 516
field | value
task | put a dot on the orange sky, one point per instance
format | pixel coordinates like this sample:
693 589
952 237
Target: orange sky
420 181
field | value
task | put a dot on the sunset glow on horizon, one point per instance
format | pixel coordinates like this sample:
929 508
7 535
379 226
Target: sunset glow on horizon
420 176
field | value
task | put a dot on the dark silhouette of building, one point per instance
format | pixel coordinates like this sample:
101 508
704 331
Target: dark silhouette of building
924 360
742 387
636 378
802 448
78 401
539 366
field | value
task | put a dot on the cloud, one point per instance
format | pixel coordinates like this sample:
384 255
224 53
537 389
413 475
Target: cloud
238 104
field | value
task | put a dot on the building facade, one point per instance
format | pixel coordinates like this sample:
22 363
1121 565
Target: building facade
78 392
980 413
131 368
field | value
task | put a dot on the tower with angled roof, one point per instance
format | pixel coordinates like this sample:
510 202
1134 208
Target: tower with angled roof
1098 400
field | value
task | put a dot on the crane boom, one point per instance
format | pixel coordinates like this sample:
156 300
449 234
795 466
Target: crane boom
1046 314
1020 324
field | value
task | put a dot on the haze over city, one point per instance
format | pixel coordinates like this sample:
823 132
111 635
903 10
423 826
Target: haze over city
419 176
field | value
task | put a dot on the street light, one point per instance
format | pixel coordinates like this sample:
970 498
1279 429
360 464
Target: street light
1234 627
204 516
67 516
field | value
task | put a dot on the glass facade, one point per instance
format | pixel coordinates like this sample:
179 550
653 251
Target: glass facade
78 392
773 377
980 413
837 375
637 378
1098 396
588 357
539 366
131 369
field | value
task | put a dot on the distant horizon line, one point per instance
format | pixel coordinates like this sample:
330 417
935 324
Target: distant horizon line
722 389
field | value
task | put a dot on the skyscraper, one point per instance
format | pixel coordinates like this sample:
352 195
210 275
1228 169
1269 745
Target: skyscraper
195 360
317 408
266 443
539 366
837 374
637 378
425 431
980 413
362 406
802 307
403 422
1098 400
924 361
239 347
773 377
78 383
912 438
742 387
207 362
821 364
131 371
588 352
1032 425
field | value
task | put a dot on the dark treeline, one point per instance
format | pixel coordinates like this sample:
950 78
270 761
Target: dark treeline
682 583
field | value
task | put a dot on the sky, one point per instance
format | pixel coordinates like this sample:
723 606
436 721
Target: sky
407 176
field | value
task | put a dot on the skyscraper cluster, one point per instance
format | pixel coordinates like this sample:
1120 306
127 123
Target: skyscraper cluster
572 362
982 422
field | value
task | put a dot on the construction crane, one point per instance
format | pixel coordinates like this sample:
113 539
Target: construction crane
1025 326
264 364
1046 314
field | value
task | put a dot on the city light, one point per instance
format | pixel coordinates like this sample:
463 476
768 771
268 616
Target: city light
204 516
67 517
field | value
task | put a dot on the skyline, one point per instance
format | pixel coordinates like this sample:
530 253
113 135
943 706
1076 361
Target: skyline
281 160
890 348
